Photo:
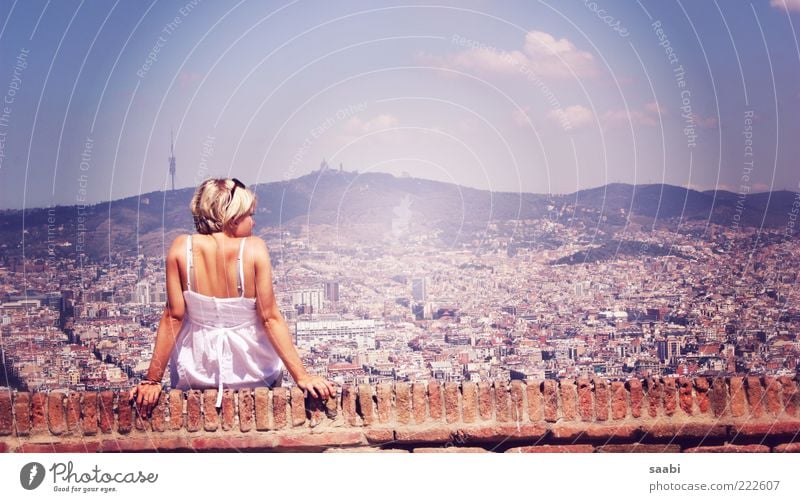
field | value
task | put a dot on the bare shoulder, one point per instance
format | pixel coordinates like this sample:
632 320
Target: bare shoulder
178 247
256 244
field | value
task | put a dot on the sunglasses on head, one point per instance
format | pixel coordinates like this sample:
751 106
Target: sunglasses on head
236 183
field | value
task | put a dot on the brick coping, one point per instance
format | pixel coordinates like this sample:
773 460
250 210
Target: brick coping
732 414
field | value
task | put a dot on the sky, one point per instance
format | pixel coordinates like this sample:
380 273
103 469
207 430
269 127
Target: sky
508 96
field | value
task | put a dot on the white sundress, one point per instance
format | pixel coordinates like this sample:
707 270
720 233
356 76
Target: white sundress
221 341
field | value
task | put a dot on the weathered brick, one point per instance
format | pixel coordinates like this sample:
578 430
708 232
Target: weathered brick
550 391
90 414
586 405
773 395
210 414
106 408
124 414
701 389
451 404
502 402
499 433
639 448
419 402
263 408
674 430
763 430
194 415
39 413
790 397
22 413
787 448
670 396
349 404
332 407
366 404
595 432
685 399
139 422
470 401
437 434
317 442
176 418
729 448
228 409
718 394
384 397
280 397
738 406
298 406
569 400
755 396
247 410
485 401
654 393
435 401
517 391
402 394
451 449
6 413
73 411
571 448
379 435
246 443
637 396
619 401
316 409
533 393
601 399
159 415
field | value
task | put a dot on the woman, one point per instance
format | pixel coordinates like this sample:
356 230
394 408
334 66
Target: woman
221 326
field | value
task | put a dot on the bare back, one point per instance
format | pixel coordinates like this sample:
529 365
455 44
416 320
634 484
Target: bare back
215 267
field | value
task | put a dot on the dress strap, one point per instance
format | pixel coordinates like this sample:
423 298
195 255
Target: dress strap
189 263
241 267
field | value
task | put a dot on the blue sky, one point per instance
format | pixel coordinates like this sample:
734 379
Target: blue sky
527 96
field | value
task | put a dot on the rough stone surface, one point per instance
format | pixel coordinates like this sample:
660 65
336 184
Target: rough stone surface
451 404
470 401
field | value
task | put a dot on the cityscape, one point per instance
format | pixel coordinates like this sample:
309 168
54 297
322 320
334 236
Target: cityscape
528 298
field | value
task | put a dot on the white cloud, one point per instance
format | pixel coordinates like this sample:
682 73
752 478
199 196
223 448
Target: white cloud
655 108
557 58
542 55
617 118
522 117
786 4
357 126
572 117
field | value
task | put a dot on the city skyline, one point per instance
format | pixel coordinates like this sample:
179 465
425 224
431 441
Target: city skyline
513 97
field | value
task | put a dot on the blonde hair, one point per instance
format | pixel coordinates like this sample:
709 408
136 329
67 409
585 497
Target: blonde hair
214 209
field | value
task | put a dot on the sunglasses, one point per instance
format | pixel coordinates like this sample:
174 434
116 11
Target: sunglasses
236 184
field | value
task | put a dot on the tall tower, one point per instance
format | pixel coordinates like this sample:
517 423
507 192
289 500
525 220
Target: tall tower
172 160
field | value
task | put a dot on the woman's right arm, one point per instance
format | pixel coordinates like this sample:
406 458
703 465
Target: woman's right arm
276 328
146 394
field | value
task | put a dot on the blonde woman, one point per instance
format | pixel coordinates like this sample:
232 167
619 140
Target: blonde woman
221 327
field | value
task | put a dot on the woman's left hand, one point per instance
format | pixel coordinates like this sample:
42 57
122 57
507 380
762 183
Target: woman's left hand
317 386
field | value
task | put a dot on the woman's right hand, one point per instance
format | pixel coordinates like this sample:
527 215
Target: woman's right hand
317 386
146 397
